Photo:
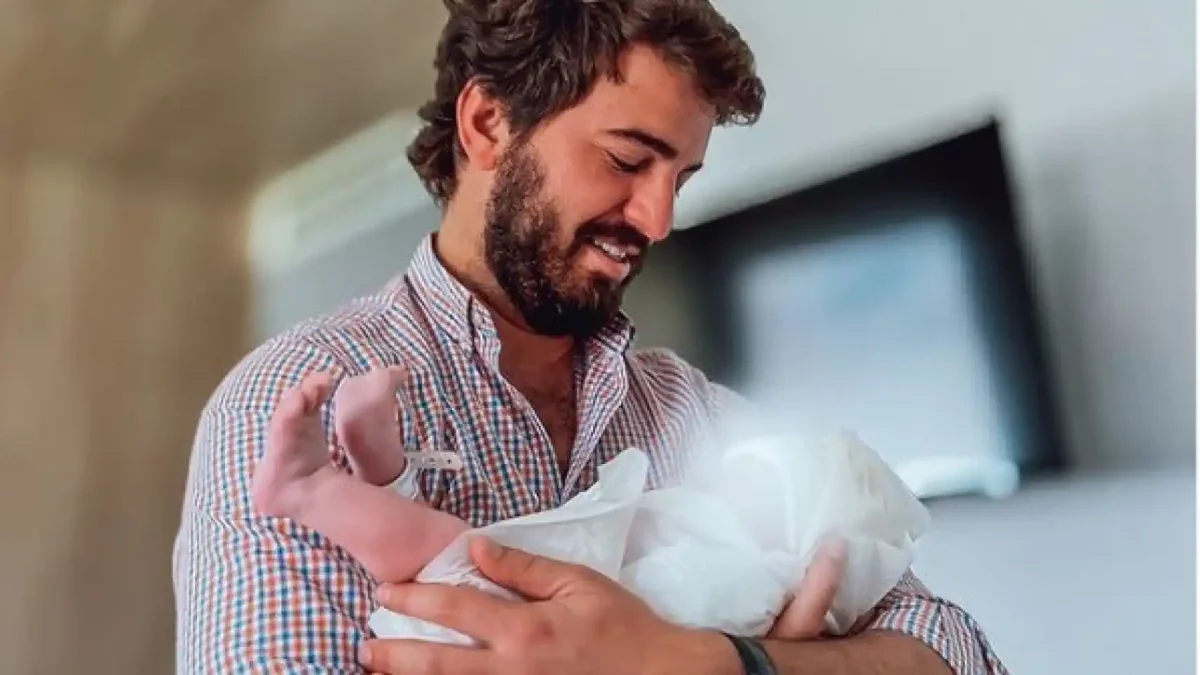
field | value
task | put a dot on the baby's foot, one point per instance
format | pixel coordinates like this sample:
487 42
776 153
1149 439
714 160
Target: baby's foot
365 417
297 454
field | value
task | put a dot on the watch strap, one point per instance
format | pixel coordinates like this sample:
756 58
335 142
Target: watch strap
754 658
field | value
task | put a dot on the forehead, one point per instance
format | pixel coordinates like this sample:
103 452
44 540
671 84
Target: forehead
653 96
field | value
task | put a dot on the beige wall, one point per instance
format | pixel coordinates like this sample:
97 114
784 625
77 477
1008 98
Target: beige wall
121 306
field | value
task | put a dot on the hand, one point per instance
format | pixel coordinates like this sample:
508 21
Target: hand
576 621
804 617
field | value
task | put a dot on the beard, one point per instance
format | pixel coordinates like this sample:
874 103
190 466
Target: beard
534 260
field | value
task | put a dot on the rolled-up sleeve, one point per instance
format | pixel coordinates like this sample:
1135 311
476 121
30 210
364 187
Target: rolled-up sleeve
910 608
257 594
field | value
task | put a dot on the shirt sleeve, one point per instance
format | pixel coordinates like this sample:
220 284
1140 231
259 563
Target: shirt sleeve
256 594
910 608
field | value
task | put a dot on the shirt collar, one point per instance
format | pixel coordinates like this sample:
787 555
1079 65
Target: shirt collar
457 312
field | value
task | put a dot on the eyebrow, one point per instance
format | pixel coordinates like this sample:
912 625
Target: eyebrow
654 143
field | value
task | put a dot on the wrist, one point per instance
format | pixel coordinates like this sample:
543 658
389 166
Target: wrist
753 656
699 652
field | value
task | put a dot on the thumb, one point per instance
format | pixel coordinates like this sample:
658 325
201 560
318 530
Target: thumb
804 617
532 576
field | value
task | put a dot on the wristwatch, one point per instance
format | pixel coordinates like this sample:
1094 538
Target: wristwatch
755 660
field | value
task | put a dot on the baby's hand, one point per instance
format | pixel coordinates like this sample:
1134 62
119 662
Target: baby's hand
366 420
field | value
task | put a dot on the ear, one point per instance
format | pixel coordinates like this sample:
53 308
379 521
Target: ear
483 130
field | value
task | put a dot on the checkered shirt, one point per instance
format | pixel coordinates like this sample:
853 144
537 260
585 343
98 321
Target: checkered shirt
259 595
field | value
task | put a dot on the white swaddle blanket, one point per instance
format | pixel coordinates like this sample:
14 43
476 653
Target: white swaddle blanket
725 550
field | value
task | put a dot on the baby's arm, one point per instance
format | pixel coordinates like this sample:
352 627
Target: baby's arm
392 537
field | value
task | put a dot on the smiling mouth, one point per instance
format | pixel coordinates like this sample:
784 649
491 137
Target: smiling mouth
614 251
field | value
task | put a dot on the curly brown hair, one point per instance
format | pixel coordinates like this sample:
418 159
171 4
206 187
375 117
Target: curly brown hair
538 58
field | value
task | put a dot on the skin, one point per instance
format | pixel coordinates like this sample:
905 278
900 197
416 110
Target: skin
392 536
619 156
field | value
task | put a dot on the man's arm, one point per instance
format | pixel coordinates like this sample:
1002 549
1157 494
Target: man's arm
912 633
910 609
583 622
256 594
875 652
868 653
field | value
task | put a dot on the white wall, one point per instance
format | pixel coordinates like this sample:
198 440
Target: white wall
1098 97
1091 576
360 267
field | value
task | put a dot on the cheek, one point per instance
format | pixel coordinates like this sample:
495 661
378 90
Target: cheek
584 196
581 185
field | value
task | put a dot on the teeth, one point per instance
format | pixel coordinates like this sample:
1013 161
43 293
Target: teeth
611 250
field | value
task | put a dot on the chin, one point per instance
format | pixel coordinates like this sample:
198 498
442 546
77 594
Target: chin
594 290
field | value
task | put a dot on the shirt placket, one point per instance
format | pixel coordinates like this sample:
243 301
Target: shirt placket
599 393
524 461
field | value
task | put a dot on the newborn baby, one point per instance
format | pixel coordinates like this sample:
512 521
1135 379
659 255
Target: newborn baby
658 543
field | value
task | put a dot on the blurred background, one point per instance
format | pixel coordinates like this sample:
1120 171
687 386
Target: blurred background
965 229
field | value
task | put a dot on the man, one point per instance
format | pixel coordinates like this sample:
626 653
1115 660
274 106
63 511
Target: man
557 140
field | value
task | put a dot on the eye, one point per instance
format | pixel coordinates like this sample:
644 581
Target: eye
624 166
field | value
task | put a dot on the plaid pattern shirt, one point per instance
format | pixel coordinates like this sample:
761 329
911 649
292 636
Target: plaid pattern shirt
261 595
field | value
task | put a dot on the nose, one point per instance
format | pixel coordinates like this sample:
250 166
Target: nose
651 209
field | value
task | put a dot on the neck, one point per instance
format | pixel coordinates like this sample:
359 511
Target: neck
458 244
527 356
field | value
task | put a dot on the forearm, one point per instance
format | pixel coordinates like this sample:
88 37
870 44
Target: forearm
872 652
864 654
911 631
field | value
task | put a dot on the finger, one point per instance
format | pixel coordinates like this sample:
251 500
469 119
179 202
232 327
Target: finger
412 657
291 405
396 376
469 611
533 576
804 617
299 405
315 389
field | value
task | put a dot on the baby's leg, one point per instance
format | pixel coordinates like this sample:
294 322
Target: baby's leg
392 537
365 418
